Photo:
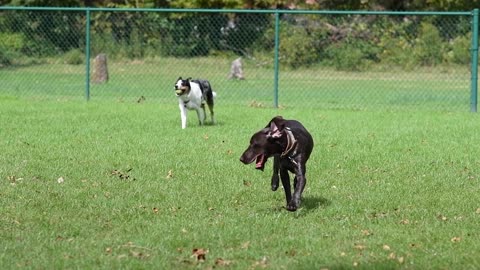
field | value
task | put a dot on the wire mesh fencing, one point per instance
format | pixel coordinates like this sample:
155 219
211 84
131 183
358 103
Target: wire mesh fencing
253 58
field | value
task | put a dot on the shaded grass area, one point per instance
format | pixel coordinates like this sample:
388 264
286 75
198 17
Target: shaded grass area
118 184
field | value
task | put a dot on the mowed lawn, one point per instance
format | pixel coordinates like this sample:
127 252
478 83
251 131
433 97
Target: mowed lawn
118 184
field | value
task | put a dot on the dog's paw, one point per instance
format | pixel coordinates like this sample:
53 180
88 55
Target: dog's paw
275 182
291 208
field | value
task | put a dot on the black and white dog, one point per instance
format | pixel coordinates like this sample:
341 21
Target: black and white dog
192 95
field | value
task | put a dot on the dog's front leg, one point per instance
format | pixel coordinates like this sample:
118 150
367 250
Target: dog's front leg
276 167
183 114
286 185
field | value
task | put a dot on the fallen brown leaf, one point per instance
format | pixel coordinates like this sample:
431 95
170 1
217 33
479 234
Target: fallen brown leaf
169 174
199 254
404 221
456 239
442 217
222 262
359 247
366 232
246 245
261 263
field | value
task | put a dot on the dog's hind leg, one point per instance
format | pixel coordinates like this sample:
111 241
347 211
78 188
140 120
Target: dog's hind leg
201 114
210 108
299 185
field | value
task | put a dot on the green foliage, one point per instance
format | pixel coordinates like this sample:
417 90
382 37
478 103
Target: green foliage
428 48
296 47
5 57
396 43
74 57
459 53
12 41
350 42
351 54
11 44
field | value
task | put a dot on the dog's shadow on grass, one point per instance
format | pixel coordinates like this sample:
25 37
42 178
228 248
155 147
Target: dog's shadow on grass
314 202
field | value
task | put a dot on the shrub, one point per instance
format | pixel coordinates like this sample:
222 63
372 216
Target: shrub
10 46
345 56
296 47
460 53
428 48
351 54
74 57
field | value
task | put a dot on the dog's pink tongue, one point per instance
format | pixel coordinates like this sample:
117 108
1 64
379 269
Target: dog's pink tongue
259 164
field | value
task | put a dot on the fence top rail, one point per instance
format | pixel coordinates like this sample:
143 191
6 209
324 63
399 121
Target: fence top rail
272 11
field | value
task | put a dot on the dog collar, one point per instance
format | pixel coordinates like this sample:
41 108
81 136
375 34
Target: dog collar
291 142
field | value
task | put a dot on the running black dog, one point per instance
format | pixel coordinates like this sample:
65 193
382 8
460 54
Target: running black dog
291 145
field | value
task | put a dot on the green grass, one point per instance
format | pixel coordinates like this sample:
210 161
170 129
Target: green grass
437 88
385 189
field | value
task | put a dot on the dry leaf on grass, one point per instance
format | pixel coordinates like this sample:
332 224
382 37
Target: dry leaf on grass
404 221
122 175
359 246
199 254
222 262
169 174
366 232
456 239
442 217
263 263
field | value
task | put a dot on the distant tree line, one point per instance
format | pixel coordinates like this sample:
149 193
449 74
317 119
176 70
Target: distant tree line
394 5
345 42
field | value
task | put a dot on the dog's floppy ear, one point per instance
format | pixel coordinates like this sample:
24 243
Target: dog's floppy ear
179 78
275 126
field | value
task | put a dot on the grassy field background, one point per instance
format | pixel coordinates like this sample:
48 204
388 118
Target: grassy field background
379 88
114 183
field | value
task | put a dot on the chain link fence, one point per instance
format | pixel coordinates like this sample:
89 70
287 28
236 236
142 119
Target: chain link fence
355 60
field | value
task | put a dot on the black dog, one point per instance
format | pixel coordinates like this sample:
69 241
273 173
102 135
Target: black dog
290 144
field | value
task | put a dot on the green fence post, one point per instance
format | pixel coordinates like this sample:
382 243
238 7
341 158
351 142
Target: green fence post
474 68
87 55
277 39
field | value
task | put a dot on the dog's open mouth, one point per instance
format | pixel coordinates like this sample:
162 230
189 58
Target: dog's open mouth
260 162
